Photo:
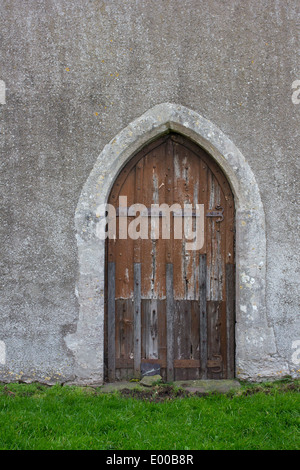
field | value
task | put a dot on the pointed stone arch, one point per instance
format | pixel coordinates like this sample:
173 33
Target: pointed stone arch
255 343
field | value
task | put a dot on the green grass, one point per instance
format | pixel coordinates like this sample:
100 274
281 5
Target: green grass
256 417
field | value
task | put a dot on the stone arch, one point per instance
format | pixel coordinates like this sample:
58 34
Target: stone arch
255 343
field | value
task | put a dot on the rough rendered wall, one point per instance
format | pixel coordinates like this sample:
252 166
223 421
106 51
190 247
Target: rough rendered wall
76 73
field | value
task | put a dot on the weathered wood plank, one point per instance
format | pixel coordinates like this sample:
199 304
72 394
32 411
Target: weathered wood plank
195 329
162 362
178 244
137 318
186 363
230 318
123 245
169 196
111 319
158 177
124 329
138 198
203 314
150 328
162 331
214 332
124 363
182 335
170 321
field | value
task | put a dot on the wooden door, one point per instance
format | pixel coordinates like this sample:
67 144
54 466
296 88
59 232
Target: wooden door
169 308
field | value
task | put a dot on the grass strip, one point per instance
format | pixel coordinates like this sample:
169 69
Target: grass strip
256 417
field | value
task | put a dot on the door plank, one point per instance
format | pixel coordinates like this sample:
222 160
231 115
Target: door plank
170 321
186 364
137 318
111 320
230 318
203 314
214 334
150 328
124 334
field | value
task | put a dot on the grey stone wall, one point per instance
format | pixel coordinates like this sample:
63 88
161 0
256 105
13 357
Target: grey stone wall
76 73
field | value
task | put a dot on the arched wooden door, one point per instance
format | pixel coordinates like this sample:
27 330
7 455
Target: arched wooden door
169 308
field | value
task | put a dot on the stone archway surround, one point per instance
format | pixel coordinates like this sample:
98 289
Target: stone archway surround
255 342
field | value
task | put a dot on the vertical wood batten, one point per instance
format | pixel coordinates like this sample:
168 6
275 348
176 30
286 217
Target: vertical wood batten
230 318
137 319
170 321
203 315
111 328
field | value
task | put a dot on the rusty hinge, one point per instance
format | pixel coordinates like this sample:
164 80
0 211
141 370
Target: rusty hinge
217 213
215 364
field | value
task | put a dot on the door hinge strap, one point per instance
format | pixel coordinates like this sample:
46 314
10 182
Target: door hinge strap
216 363
217 213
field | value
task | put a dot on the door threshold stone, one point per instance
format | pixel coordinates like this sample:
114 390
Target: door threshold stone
209 385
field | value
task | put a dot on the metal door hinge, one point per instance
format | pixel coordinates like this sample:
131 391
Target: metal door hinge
217 213
216 363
